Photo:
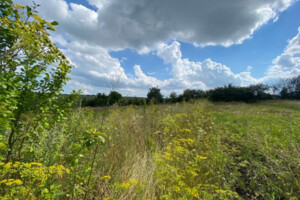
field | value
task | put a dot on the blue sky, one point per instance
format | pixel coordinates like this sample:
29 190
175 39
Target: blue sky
132 45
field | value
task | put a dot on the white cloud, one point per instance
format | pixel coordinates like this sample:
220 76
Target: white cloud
96 71
100 69
86 37
287 64
206 74
144 24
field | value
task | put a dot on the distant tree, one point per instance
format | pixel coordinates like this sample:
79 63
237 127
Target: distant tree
101 100
189 94
154 95
289 88
173 97
114 97
233 93
293 87
284 93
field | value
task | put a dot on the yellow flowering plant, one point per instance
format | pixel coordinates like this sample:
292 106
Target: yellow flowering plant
34 180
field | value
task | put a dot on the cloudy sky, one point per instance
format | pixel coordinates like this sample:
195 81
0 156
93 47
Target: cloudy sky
133 45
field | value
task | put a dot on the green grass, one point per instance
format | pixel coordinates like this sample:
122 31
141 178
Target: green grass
180 151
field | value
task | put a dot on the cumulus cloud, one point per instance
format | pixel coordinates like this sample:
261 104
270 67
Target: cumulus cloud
100 69
287 64
204 75
144 24
86 36
96 71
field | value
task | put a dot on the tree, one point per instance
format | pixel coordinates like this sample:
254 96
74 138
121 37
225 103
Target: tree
32 74
173 97
114 97
154 95
290 88
189 94
251 93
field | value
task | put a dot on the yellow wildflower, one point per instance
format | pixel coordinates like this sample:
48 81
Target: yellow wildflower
7 165
176 188
18 182
17 164
36 164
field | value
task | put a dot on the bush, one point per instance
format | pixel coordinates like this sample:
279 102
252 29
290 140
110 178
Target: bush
245 94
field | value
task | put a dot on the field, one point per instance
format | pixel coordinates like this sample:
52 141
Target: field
198 150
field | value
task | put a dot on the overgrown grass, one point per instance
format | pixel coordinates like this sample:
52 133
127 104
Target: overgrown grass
180 151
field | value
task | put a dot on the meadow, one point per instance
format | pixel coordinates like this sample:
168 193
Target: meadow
50 150
198 150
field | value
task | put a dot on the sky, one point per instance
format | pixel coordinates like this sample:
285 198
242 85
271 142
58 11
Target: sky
133 45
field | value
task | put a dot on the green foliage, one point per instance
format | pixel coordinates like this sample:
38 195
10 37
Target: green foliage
290 88
154 95
101 100
246 94
264 141
114 97
181 151
201 151
32 73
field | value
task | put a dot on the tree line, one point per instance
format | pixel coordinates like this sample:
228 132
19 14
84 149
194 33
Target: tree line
284 89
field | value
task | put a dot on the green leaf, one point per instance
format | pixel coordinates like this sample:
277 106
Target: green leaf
54 23
102 139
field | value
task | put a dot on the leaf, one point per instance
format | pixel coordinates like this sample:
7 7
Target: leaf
54 23
102 139
29 13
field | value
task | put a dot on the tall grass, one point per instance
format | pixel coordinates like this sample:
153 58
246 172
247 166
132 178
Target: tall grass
180 151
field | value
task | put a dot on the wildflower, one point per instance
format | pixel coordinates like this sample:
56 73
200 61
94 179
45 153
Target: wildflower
18 182
68 171
27 165
176 188
125 185
52 169
60 170
36 164
7 165
17 164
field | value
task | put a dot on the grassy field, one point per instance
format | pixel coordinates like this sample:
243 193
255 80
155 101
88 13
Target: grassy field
179 151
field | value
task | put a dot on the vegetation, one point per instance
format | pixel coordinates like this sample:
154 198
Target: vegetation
114 98
284 89
289 88
102 99
154 95
199 150
182 151
246 94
